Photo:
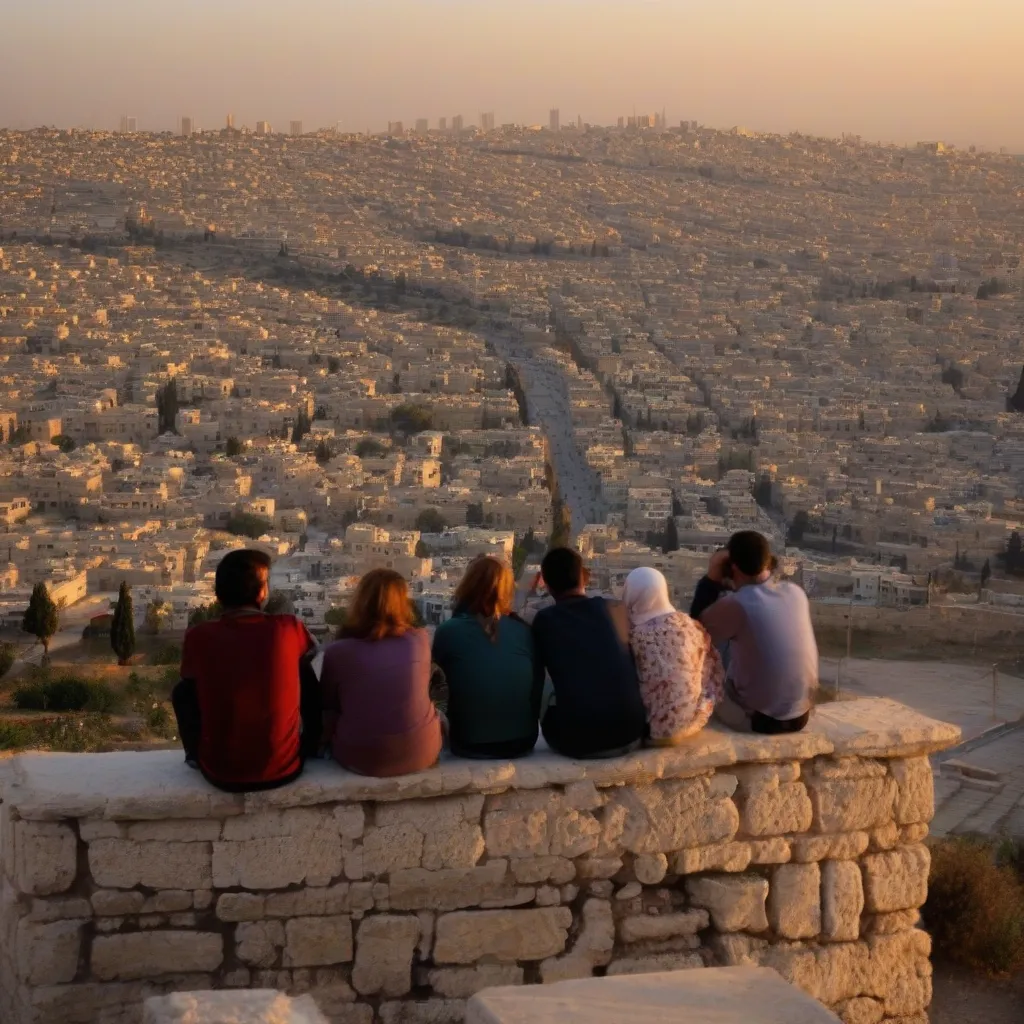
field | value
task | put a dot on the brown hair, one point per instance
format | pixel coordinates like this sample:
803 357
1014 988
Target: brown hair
487 590
379 608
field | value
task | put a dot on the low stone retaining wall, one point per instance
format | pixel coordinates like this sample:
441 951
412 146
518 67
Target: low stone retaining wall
126 876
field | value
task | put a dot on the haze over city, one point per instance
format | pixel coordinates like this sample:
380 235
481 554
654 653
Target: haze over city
897 72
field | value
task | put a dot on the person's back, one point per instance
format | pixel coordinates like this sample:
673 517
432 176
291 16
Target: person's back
246 669
380 689
494 685
774 665
583 642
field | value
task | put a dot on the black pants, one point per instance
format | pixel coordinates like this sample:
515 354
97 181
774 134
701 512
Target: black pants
588 741
185 700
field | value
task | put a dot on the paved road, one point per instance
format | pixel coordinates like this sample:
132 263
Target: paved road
72 621
547 399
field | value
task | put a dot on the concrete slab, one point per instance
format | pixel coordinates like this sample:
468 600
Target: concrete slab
719 995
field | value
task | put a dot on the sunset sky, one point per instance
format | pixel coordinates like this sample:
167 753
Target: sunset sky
897 70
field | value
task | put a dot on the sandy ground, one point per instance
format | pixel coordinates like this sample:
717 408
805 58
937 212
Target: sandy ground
956 693
962 998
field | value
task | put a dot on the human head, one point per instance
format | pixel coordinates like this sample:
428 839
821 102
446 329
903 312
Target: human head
750 556
380 607
563 572
487 589
646 596
242 579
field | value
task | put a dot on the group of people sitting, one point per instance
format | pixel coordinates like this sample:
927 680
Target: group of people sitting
251 708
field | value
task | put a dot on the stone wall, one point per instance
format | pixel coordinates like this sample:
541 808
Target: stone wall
125 875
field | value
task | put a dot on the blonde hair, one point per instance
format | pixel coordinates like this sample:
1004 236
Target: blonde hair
487 590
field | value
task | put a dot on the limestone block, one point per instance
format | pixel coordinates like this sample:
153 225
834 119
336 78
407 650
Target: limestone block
260 1007
751 776
511 896
533 870
584 796
46 911
890 924
650 868
202 899
735 950
897 880
674 815
433 1011
630 891
574 834
845 846
45 857
735 904
842 900
271 824
831 973
156 953
351 820
885 837
183 830
276 862
392 848
516 834
548 896
852 804
661 927
115 903
722 857
655 964
313 902
98 828
168 901
461 846
901 974
776 810
848 768
915 792
319 941
48 953
241 906
592 948
598 867
911 834
452 889
124 864
770 851
863 1010
258 943
794 901
385 947
463 982
505 935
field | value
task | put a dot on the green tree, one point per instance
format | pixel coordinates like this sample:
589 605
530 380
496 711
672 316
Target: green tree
1014 552
422 551
167 407
798 527
519 555
245 524
561 527
42 617
8 655
371 447
333 364
671 535
204 613
412 419
156 616
431 521
475 514
986 575
233 447
122 628
336 617
302 426
323 452
64 443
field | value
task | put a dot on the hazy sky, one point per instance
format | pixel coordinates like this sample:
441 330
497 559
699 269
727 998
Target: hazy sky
900 70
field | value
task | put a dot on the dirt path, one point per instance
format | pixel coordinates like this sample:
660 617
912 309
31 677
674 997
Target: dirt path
962 998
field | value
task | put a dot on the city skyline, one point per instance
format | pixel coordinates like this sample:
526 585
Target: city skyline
793 68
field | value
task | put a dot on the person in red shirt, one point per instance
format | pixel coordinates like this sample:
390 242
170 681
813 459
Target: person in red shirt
248 704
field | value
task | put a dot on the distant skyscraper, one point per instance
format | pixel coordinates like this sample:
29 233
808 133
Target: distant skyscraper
128 124
457 123
186 126
579 121
555 120
442 124
622 122
231 122
487 122
396 128
295 128
422 126
262 127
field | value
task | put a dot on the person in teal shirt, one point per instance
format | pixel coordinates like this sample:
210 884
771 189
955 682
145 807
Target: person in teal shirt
494 678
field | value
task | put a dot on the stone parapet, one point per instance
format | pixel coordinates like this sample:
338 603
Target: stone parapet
125 876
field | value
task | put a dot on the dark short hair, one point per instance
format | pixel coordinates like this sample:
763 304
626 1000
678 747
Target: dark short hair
750 552
240 578
563 571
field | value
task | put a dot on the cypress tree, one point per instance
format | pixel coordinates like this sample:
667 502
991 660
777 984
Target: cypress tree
122 629
671 535
42 618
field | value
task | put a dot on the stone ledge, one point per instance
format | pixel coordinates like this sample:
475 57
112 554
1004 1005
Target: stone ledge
149 786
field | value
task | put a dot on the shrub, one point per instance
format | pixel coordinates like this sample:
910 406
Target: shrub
73 734
67 693
166 654
8 655
160 722
975 908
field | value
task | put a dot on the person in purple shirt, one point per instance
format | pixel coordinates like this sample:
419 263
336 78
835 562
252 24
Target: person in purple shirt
376 684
